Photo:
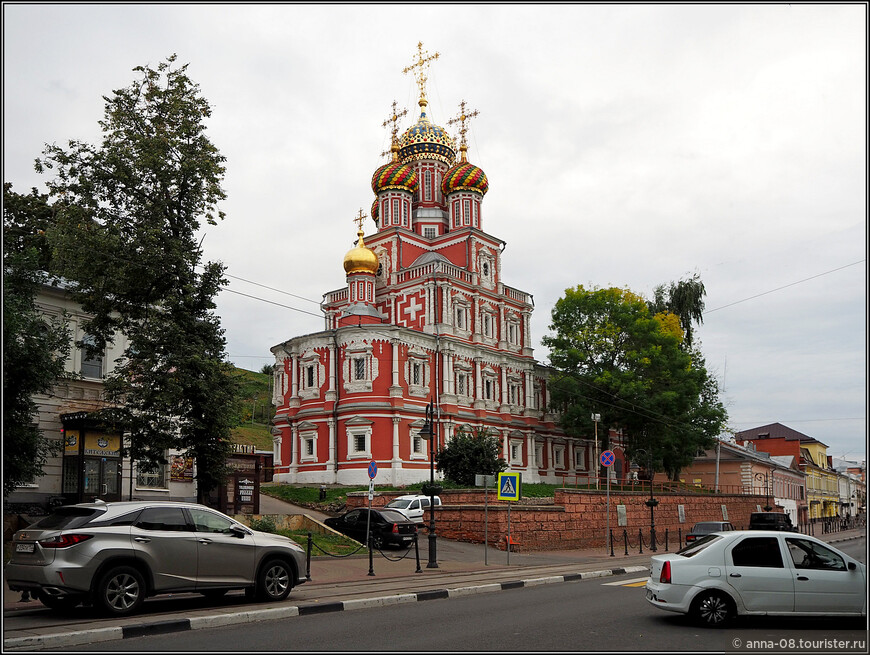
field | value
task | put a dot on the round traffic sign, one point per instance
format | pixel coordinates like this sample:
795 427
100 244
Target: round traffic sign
373 469
607 458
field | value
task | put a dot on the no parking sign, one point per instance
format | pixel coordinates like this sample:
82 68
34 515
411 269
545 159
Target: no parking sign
607 458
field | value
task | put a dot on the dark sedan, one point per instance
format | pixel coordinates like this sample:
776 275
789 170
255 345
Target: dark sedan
704 528
387 527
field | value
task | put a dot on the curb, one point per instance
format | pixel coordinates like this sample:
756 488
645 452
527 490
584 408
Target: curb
82 637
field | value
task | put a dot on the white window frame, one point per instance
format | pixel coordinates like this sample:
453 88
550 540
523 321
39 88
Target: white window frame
430 232
559 457
515 450
158 480
359 432
91 362
308 439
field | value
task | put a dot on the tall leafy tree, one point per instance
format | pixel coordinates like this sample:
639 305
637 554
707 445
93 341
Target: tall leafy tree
470 453
685 299
616 358
126 238
35 347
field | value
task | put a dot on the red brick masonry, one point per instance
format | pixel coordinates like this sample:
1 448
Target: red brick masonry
574 518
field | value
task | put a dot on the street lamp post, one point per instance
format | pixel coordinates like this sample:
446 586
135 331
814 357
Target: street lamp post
652 502
763 476
428 432
595 419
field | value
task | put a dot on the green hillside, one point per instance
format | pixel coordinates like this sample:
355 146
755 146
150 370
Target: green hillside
257 410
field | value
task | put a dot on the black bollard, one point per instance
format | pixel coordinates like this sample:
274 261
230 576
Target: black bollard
308 560
640 539
625 537
417 553
371 562
611 543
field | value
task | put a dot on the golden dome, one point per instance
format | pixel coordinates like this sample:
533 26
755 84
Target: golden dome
361 259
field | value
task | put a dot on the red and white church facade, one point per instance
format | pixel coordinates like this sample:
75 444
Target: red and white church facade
425 317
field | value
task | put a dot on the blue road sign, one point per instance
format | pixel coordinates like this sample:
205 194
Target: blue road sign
607 458
373 469
510 485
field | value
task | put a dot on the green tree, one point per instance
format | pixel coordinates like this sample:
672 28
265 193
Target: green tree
35 348
126 236
616 358
470 453
685 299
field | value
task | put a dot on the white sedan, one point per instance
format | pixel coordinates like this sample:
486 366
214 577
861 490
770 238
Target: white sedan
755 572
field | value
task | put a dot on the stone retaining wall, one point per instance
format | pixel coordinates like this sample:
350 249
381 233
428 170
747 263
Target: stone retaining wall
573 518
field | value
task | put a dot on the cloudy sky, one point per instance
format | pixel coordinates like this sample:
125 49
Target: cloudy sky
625 145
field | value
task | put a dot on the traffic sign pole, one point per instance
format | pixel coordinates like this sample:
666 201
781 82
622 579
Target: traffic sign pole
607 460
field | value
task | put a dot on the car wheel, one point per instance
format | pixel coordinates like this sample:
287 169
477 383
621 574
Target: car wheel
120 591
713 609
377 541
274 581
58 602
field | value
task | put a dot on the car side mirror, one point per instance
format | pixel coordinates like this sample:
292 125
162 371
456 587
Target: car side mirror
852 566
238 531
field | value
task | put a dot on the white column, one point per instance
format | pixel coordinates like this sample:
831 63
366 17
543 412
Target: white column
294 447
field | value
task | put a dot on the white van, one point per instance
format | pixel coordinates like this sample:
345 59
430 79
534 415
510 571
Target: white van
414 507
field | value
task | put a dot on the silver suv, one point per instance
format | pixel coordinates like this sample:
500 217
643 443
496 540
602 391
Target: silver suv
114 555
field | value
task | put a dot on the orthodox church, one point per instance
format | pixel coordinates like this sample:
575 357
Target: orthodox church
425 317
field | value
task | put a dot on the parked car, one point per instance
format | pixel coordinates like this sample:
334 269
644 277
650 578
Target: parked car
743 572
771 521
387 526
114 555
413 507
704 528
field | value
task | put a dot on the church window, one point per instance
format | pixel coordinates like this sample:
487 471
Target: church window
396 212
485 269
418 446
405 214
437 186
309 375
359 443
427 184
466 212
516 451
457 221
429 232
539 455
415 374
359 369
462 384
476 206
580 459
487 389
558 456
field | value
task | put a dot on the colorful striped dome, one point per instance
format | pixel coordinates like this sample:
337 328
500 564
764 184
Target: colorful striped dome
395 176
464 177
376 211
425 140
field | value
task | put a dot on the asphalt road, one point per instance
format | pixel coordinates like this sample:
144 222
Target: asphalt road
595 615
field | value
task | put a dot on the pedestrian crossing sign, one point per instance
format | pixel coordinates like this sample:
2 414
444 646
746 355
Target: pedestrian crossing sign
510 485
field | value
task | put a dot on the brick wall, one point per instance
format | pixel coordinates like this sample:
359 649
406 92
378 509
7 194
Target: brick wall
574 518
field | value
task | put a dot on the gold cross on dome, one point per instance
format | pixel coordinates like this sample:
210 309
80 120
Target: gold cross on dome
394 119
359 219
421 65
461 119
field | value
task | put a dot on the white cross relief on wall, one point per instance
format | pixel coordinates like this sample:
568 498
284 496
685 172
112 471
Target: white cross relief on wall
412 309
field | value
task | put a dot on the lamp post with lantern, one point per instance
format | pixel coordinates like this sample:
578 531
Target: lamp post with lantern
652 502
764 476
429 433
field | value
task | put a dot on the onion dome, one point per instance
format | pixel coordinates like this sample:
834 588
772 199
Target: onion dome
426 140
376 211
361 259
395 175
464 176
